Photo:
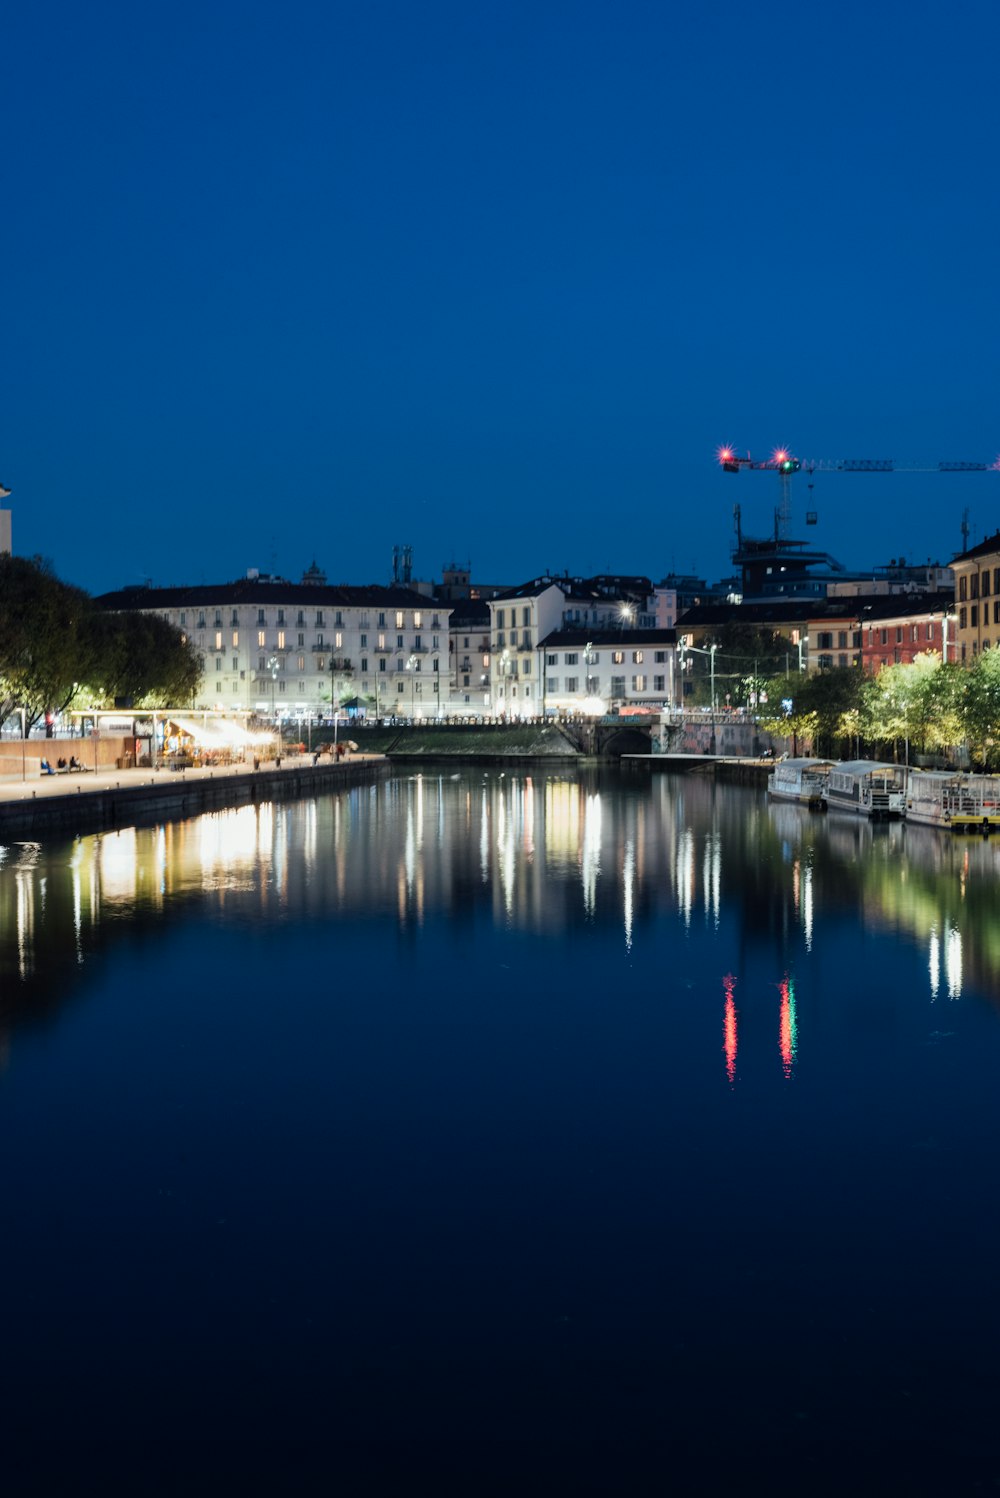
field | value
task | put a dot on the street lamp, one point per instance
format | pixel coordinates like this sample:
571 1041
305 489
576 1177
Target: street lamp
711 664
803 640
411 666
274 666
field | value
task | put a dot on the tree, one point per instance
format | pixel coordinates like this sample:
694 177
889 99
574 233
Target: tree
45 648
981 708
142 659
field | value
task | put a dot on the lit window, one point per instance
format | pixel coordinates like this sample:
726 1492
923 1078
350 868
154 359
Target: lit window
218 639
236 639
399 618
281 639
261 640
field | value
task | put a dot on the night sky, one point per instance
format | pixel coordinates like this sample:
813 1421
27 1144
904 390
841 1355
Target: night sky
491 279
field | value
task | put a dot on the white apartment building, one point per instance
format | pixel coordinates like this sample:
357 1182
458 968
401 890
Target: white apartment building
289 650
597 670
555 644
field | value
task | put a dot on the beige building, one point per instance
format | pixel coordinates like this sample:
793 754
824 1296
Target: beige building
977 599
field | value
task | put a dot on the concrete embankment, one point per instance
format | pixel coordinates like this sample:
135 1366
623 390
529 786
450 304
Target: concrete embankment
138 798
480 741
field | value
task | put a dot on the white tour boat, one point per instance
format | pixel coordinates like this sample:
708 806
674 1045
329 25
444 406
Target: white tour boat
801 780
866 787
955 802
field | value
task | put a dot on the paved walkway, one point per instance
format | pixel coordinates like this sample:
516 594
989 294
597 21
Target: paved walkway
79 783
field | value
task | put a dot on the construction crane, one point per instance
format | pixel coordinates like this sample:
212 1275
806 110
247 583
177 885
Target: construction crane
785 464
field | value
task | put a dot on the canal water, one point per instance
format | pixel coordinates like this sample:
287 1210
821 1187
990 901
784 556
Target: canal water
495 1108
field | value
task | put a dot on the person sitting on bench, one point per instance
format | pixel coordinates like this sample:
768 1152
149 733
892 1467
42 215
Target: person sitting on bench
45 768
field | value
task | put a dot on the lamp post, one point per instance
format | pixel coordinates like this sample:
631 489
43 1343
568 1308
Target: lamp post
711 666
411 666
803 640
274 665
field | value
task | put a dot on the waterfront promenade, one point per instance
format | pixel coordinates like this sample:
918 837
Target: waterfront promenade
91 800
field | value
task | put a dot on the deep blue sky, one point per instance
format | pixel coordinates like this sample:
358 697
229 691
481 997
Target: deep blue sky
495 280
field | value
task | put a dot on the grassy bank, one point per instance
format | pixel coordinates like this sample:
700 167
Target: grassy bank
492 741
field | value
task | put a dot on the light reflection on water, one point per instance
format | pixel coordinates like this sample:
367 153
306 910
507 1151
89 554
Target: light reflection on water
454 1099
543 852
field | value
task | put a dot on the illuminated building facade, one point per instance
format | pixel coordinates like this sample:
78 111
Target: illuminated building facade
977 599
287 650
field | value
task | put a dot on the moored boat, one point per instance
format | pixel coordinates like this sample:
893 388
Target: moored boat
801 780
952 801
866 788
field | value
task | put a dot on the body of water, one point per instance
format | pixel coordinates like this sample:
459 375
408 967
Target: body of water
492 1109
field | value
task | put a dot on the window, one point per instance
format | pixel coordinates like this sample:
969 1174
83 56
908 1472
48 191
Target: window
399 642
301 664
281 639
218 663
961 624
261 663
183 619
984 587
486 662
963 588
974 616
319 641
824 640
364 663
571 659
260 617
526 667
418 619
913 633
638 683
552 660
235 618
659 657
659 683
281 616
617 657
261 639
300 640
572 684
974 585
218 639
842 660
382 664
842 639
218 618
400 686
282 685
418 644
637 659
618 686
996 611
825 662
381 621
399 619
996 580
236 639
300 617
201 621
338 618
320 663
899 634
526 616
552 684
885 636
320 621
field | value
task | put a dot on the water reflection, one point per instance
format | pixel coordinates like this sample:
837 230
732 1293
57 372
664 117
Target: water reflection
542 853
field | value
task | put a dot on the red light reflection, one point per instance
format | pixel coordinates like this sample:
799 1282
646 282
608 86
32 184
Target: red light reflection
787 1027
730 1039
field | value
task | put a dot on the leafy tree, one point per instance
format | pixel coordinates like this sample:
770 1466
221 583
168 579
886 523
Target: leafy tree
981 708
45 649
142 659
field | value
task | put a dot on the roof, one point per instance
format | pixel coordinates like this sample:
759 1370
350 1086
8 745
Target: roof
253 590
614 637
865 766
984 548
859 608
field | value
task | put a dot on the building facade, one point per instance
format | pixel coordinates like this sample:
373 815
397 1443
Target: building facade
977 599
291 650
